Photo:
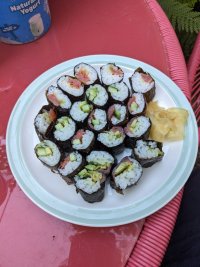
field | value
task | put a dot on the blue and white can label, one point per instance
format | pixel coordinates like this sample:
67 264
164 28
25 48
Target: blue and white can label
23 21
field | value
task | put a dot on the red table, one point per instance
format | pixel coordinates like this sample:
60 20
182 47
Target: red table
29 236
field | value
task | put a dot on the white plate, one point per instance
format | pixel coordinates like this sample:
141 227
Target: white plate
158 185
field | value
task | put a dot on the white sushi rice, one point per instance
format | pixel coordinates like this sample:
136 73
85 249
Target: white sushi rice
76 113
100 115
122 91
42 122
107 76
64 83
53 159
100 157
140 101
91 72
146 149
122 110
71 165
129 177
109 139
102 96
60 96
142 124
87 185
139 85
86 140
66 132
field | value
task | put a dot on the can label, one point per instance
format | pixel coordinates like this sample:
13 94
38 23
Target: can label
23 21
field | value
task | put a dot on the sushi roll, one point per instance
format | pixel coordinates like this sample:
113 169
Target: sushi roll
137 128
148 152
83 141
126 174
70 165
44 122
113 139
97 95
117 115
80 111
97 120
142 82
91 185
119 92
64 129
110 73
48 153
101 161
86 74
136 104
71 86
58 99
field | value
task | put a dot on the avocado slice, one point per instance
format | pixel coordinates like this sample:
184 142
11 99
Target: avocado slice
86 108
96 176
117 134
93 93
95 122
83 173
59 126
122 167
117 114
91 167
112 89
72 157
76 142
134 106
43 151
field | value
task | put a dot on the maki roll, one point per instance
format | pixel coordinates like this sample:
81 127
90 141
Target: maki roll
136 104
117 115
80 111
119 92
97 120
148 152
48 153
137 128
70 165
83 141
113 139
58 99
71 86
126 174
101 161
91 185
86 74
110 73
97 95
142 82
44 122
64 129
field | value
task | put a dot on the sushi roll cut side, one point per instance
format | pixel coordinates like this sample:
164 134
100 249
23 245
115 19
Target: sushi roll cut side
48 153
110 73
97 120
80 111
58 99
86 74
44 122
126 174
71 86
117 115
136 104
91 185
70 165
83 141
138 127
97 95
142 82
112 139
101 161
64 129
148 152
119 92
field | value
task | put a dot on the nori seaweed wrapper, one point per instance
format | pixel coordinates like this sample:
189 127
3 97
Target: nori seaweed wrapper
103 106
84 150
139 113
110 113
149 95
112 100
148 162
90 125
48 134
121 79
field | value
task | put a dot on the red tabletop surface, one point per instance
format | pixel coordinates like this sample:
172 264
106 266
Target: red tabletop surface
28 235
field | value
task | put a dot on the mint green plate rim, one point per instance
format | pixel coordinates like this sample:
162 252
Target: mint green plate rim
101 217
